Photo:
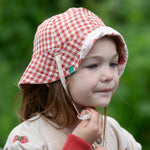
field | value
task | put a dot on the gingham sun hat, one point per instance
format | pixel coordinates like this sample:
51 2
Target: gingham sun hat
61 43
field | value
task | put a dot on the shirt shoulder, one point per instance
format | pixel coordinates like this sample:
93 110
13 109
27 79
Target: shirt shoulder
118 137
36 134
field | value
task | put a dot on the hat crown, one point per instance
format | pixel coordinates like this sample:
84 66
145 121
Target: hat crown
71 26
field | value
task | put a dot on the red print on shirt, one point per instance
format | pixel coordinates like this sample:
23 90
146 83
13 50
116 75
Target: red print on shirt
21 139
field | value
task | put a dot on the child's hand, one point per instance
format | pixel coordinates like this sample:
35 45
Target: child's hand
90 130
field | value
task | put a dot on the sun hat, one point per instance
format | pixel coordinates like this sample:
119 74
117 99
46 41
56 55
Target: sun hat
61 43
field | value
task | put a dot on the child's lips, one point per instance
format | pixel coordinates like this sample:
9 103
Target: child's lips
106 90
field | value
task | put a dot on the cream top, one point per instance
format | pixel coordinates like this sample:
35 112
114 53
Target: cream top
37 134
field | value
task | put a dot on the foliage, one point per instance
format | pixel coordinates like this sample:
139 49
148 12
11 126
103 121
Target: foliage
18 22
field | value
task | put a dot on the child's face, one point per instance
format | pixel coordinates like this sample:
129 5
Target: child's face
95 81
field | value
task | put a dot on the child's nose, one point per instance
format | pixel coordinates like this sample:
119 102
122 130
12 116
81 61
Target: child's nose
106 74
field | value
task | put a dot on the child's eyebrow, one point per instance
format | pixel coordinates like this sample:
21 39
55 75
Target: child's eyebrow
101 57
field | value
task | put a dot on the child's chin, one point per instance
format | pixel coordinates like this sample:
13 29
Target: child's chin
102 105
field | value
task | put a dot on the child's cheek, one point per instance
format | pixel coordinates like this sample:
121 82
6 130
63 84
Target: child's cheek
85 79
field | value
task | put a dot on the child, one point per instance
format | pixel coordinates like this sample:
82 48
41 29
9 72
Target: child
76 65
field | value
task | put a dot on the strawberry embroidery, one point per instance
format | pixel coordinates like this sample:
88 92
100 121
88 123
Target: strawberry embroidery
21 139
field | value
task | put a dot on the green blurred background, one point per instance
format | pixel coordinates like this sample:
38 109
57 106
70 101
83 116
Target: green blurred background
130 105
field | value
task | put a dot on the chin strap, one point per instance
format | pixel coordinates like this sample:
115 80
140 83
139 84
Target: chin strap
63 80
104 129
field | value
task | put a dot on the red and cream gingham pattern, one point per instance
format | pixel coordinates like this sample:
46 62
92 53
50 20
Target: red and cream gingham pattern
63 34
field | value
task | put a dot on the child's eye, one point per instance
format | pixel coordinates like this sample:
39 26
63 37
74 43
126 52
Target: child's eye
92 66
114 64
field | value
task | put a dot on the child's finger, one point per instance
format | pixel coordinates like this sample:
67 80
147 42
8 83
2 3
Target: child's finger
95 118
95 122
